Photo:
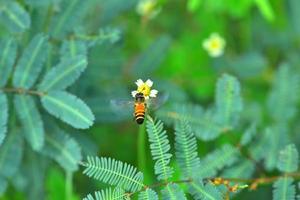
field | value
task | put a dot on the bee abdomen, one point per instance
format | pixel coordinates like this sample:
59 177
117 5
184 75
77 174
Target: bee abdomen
139 113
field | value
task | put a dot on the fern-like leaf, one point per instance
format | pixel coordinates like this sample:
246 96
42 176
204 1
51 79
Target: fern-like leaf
64 74
217 160
284 94
32 124
8 52
62 148
107 194
284 189
228 100
160 147
3 116
288 159
204 192
148 194
172 192
68 108
11 154
186 149
114 172
14 17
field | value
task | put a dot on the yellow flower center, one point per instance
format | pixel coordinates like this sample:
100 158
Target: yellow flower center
145 89
148 7
215 44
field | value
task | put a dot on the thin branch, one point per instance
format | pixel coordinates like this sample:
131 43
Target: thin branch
22 91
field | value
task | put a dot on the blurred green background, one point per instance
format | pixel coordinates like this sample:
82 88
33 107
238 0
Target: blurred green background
167 48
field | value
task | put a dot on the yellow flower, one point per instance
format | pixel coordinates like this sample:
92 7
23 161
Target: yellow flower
145 88
147 8
214 45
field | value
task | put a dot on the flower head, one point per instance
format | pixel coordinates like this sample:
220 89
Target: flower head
145 88
147 8
214 45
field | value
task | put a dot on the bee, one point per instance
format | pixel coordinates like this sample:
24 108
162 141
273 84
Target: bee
139 106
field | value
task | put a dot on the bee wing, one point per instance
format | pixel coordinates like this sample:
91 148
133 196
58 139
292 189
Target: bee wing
160 99
121 105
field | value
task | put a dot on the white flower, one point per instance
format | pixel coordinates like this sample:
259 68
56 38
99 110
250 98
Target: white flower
145 88
214 45
147 8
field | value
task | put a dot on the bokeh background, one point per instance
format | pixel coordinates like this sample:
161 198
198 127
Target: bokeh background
165 44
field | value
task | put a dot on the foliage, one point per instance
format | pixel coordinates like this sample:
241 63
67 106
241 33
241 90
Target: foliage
225 124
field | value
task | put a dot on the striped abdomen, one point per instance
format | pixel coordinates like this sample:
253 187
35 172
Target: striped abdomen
139 112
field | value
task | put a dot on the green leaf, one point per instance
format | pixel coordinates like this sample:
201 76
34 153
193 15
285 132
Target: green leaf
248 135
114 172
243 169
249 64
228 100
283 98
148 194
284 189
8 52
31 62
186 149
266 9
204 124
34 170
276 139
70 13
11 154
151 59
68 108
72 48
160 147
294 14
31 121
14 17
217 160
107 194
172 192
193 5
64 74
3 116
62 148
207 192
288 159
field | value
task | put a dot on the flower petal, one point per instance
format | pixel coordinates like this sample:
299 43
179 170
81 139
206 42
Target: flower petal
146 97
149 83
205 44
133 93
153 93
139 82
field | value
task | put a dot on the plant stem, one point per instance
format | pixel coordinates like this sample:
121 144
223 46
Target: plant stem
69 185
22 91
141 148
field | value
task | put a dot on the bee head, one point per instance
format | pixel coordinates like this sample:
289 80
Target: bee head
139 96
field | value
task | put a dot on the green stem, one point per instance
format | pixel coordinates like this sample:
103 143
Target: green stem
69 185
141 148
